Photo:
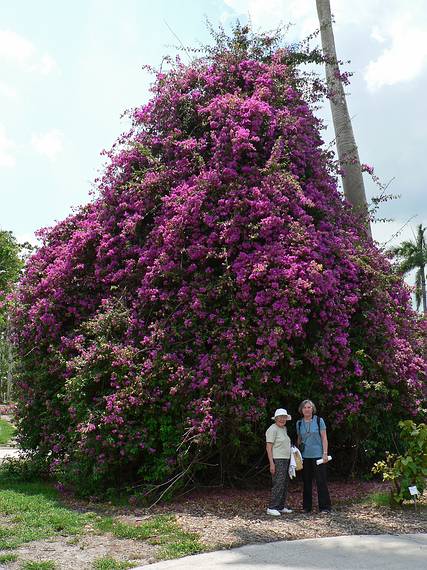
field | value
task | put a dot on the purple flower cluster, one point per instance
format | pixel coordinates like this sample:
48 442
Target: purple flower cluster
218 273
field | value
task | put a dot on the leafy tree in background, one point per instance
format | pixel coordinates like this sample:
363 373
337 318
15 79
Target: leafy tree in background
217 275
413 255
11 265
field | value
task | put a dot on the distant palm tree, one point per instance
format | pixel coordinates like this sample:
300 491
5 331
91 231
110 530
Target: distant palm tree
413 255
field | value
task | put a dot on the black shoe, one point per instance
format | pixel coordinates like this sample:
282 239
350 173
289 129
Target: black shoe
325 512
307 511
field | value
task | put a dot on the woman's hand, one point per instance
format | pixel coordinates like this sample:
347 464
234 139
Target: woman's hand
269 448
325 458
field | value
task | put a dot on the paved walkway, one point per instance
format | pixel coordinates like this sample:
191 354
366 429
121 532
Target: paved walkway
8 452
382 552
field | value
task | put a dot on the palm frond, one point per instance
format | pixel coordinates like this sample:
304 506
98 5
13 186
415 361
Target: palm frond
407 265
404 249
411 254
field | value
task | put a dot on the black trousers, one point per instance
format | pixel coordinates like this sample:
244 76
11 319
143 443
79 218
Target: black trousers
312 471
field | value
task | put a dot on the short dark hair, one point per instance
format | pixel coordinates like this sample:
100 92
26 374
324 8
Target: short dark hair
304 402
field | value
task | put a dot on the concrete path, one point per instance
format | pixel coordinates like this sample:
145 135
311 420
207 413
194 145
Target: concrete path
381 552
8 452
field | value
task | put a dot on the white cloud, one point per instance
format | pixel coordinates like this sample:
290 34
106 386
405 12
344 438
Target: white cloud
377 35
45 65
28 237
7 147
48 144
405 57
20 51
7 91
14 47
269 14
400 29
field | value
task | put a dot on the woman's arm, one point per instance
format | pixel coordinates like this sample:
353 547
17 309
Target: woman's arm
324 445
269 448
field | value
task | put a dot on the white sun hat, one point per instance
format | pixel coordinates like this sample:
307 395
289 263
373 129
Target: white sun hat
281 412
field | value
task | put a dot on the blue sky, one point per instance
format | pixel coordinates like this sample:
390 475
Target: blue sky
69 69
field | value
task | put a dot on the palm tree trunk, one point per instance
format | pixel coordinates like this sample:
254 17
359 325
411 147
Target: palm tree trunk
348 154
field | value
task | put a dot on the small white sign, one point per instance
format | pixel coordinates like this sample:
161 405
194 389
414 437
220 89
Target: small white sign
413 490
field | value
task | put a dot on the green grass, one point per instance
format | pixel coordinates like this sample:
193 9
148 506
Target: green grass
46 565
4 558
379 499
32 511
7 430
160 530
111 564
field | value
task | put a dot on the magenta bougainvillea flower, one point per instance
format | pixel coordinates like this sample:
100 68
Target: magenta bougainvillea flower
217 274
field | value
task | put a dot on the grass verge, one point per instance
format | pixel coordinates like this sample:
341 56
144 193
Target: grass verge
46 565
5 558
160 530
7 431
111 564
33 511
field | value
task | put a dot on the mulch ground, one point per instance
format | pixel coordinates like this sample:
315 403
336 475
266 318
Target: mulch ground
226 518
229 518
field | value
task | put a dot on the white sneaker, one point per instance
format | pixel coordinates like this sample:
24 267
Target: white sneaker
285 510
273 512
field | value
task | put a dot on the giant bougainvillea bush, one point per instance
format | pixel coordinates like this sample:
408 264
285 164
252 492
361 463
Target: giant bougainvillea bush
217 274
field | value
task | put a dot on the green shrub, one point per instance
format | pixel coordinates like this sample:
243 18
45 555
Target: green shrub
410 468
30 467
217 275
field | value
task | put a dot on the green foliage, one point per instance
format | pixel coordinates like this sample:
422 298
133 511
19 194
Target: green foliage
12 255
7 430
244 43
407 469
25 468
10 261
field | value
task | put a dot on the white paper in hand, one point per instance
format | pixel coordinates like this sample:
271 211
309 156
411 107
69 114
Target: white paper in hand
320 461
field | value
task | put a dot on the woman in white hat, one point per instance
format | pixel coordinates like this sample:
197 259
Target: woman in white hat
279 453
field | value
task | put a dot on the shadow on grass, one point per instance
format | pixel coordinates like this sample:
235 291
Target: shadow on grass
33 511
